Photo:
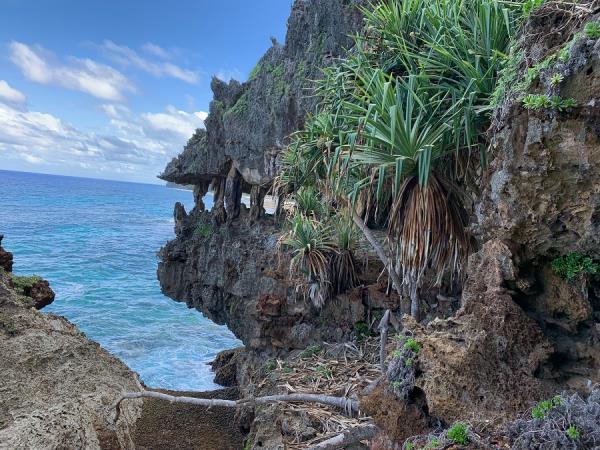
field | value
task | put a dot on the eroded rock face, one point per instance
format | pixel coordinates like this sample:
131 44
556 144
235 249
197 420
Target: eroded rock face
57 388
484 361
6 258
233 275
248 123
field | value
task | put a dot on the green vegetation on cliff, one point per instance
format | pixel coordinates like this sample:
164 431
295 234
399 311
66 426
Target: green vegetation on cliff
401 122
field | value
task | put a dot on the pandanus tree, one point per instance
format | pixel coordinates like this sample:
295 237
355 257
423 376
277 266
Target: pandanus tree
398 127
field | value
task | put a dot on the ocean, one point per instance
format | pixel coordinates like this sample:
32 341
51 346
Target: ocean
96 242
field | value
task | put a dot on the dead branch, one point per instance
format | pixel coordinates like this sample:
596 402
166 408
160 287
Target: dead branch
348 437
348 405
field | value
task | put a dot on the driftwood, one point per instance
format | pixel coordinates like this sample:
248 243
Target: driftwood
348 405
384 325
348 437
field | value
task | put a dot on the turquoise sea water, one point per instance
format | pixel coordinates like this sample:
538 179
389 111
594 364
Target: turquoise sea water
96 242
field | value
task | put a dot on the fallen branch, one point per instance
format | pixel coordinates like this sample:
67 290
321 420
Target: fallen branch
348 437
348 405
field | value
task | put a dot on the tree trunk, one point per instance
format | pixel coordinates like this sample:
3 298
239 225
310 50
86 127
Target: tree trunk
414 303
380 253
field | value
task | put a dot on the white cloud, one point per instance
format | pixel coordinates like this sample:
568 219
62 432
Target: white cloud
128 57
32 159
130 145
9 94
82 75
156 50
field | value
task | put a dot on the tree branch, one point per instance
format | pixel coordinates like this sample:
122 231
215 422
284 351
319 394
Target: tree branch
348 405
348 437
380 252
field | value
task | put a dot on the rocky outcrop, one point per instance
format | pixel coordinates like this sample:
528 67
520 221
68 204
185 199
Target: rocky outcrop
235 275
486 360
523 333
57 388
6 258
248 123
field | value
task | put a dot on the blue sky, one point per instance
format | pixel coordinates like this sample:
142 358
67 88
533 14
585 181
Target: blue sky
113 89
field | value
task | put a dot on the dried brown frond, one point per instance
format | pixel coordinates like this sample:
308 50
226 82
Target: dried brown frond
429 226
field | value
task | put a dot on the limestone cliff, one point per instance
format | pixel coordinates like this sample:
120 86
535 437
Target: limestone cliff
58 389
231 273
521 334
249 122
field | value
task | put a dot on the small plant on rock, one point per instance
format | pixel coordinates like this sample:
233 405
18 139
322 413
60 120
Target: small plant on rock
458 433
23 284
537 101
592 30
556 79
573 432
310 351
433 444
572 265
412 345
530 5
204 230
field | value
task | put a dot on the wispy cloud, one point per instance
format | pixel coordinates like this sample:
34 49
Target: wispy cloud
127 57
10 94
84 75
137 146
156 50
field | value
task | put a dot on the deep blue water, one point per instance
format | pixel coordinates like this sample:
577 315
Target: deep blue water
96 242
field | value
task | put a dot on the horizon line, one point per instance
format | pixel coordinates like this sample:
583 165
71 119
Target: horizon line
164 183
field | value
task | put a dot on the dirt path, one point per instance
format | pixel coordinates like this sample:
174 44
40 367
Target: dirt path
166 426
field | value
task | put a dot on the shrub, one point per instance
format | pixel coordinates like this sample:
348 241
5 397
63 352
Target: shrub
8 325
572 265
592 30
458 433
254 72
23 284
530 5
270 365
362 331
412 345
568 422
311 351
204 230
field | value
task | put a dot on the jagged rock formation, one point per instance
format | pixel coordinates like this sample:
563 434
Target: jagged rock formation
522 333
249 123
58 389
233 275
6 258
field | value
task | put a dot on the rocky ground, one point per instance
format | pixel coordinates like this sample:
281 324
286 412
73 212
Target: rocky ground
58 389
